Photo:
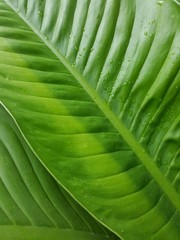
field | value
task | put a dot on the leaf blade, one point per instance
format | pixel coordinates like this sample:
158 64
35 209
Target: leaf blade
100 149
29 195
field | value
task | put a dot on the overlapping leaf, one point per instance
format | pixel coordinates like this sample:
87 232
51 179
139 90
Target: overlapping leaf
32 204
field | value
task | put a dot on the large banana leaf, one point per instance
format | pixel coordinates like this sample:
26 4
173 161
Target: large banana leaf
92 88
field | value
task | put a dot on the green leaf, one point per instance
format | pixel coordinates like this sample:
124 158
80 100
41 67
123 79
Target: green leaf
93 87
33 205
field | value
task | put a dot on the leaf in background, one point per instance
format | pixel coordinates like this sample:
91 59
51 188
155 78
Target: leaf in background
32 204
94 91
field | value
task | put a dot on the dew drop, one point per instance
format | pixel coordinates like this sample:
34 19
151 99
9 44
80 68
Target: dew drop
74 64
158 161
130 113
112 96
7 77
160 2
40 13
98 16
151 143
145 33
105 77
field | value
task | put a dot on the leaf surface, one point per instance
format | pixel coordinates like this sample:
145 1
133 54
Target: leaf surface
96 97
33 205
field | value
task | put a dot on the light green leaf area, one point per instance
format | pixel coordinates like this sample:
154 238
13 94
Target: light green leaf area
93 88
32 204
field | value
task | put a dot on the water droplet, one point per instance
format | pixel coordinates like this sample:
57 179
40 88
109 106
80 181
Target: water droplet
160 2
7 77
159 162
74 64
46 37
151 143
112 95
101 74
98 16
91 49
130 113
145 33
40 13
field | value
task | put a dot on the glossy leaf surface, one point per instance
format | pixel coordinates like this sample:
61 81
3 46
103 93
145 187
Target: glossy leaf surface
94 90
33 205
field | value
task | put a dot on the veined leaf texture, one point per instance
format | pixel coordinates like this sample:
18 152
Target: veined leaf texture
89 119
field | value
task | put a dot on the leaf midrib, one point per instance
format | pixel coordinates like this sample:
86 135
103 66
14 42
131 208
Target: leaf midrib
140 152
